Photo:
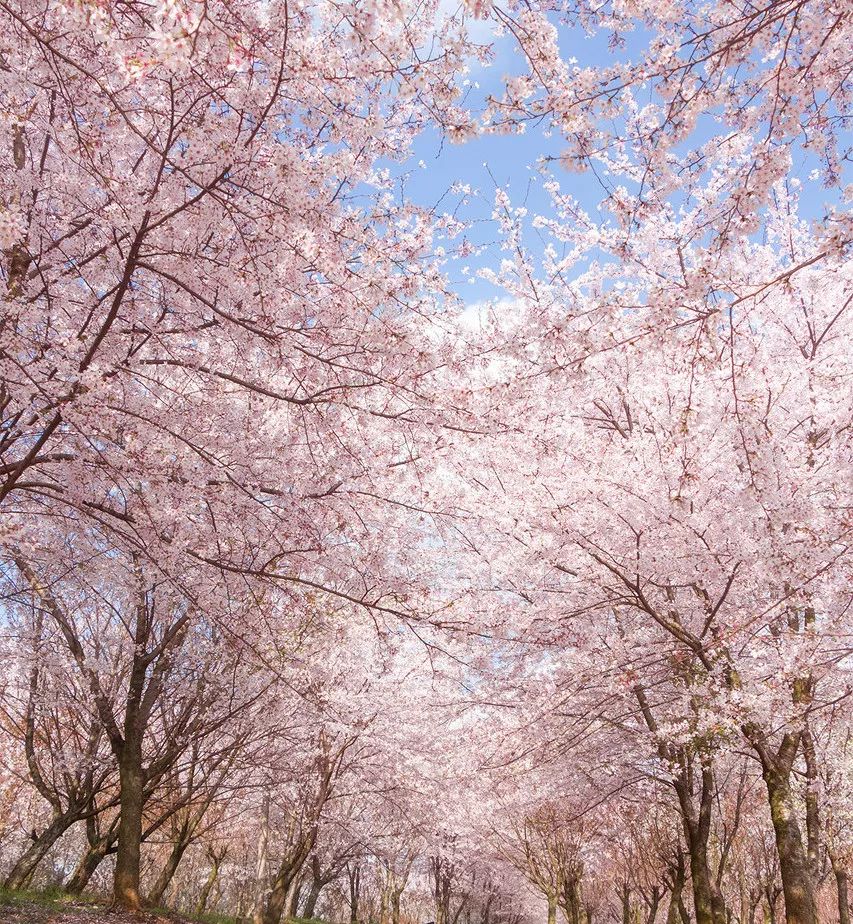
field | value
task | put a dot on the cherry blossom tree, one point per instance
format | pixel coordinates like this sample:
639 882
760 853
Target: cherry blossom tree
321 597
692 493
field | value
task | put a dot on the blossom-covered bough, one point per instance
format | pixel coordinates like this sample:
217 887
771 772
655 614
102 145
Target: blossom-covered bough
320 600
212 351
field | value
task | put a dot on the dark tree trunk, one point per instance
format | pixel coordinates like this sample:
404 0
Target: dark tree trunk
354 877
653 906
149 669
313 896
274 908
843 893
275 903
793 860
262 873
771 897
677 888
89 862
101 844
291 907
126 880
795 870
570 897
813 824
700 877
625 893
215 862
168 872
23 870
708 902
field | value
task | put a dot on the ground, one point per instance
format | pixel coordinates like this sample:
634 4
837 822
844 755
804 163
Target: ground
33 908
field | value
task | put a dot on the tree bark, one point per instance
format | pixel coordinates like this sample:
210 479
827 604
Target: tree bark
215 862
168 871
288 871
793 861
149 669
23 870
813 822
354 877
383 906
262 867
653 906
313 896
625 894
703 901
708 902
89 862
677 888
672 913
841 884
126 880
278 896
552 909
291 906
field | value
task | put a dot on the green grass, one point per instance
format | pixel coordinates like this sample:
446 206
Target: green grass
54 899
49 898
208 917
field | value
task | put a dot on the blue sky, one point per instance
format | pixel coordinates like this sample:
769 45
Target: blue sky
513 161
510 161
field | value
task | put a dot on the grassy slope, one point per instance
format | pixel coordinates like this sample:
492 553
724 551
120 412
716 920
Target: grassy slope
58 908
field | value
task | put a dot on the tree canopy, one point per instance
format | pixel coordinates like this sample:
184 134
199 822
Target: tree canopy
388 536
